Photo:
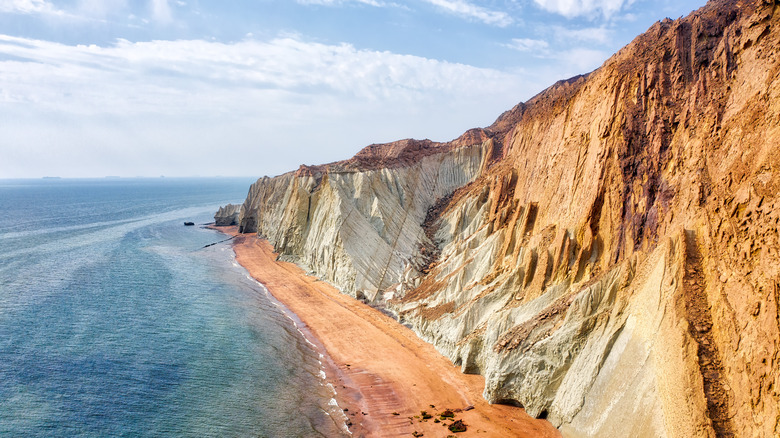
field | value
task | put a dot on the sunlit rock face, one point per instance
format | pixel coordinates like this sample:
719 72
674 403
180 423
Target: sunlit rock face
605 254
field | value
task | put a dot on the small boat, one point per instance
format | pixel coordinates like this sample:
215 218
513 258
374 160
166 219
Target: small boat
189 224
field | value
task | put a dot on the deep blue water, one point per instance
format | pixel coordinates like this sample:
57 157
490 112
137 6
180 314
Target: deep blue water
115 321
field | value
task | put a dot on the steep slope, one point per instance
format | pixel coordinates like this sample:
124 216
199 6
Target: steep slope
605 254
357 223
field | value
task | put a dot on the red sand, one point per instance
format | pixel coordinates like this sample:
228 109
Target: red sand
379 367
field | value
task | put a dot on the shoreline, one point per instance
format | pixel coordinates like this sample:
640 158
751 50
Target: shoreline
327 366
382 373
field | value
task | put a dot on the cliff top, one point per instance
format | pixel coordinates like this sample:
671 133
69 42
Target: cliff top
395 154
664 40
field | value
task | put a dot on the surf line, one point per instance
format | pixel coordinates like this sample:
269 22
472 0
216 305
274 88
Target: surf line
335 411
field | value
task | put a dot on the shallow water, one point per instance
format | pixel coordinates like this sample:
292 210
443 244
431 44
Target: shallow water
115 321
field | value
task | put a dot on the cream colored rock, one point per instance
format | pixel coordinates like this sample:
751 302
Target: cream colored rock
359 230
227 215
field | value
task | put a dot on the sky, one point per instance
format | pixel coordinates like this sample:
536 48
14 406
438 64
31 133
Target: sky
92 88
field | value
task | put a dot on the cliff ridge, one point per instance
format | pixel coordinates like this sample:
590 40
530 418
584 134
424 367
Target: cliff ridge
606 254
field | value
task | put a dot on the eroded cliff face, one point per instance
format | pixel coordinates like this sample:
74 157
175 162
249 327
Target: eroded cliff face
358 224
227 215
605 254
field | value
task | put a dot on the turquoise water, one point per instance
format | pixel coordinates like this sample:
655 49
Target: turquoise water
115 321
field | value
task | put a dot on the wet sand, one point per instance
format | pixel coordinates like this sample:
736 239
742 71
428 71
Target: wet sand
383 373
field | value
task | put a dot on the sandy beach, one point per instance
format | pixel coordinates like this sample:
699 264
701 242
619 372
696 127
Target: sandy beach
383 373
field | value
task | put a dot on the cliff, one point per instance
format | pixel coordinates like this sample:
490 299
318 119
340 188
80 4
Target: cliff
358 223
605 254
227 215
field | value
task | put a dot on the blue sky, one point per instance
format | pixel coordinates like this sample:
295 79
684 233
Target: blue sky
90 88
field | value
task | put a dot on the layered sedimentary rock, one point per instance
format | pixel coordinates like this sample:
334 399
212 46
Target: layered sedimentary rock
358 223
605 254
227 215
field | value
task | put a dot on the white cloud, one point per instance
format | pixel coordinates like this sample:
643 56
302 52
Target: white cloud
598 35
179 102
100 8
88 10
465 9
172 68
561 62
575 8
528 45
27 6
583 60
340 2
161 11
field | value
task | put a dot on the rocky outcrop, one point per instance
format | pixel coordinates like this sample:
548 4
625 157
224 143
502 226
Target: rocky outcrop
605 254
227 215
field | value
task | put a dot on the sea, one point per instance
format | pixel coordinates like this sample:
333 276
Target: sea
118 320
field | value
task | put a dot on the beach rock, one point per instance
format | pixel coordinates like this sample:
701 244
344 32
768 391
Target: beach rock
605 254
458 426
227 215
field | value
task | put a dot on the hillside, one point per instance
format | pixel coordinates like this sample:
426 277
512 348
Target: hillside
605 254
